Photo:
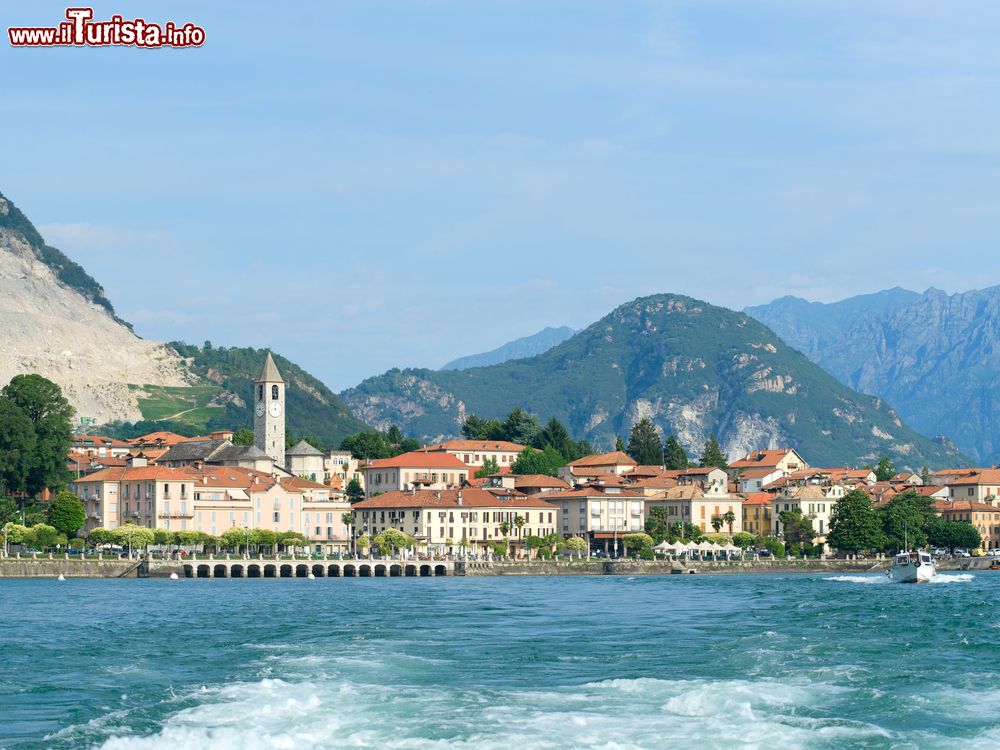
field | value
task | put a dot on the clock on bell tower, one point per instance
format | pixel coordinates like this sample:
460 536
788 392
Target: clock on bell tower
269 412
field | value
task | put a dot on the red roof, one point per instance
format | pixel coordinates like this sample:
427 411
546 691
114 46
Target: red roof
419 460
615 458
475 445
758 498
137 474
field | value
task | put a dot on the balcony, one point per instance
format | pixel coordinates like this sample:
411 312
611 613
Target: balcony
178 514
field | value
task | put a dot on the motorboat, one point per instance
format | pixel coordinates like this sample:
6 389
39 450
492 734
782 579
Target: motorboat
912 567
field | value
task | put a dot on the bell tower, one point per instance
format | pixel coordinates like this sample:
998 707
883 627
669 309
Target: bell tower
269 412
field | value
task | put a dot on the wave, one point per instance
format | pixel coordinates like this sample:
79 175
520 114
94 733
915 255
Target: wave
870 578
952 578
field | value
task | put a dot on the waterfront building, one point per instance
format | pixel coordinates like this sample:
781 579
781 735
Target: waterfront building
757 514
698 504
441 519
305 460
100 446
984 516
436 470
216 452
600 513
477 452
753 480
978 485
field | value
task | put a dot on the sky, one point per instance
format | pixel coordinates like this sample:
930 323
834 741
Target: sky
376 184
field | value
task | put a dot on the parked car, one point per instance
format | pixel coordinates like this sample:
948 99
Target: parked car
962 553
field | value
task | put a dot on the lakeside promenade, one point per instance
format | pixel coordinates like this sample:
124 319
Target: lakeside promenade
75 567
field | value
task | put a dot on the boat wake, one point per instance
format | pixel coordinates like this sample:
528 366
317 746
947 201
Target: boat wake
952 578
871 578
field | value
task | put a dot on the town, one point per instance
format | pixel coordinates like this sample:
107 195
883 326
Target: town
472 499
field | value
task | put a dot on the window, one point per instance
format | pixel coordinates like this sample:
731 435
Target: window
260 393
274 393
277 516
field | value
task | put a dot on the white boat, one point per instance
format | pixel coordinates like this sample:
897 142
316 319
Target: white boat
912 567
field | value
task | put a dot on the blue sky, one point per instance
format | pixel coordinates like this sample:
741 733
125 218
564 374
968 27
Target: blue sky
375 184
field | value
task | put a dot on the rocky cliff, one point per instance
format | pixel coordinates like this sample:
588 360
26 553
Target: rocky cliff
693 368
52 328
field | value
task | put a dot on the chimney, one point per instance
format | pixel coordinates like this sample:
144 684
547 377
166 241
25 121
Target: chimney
458 498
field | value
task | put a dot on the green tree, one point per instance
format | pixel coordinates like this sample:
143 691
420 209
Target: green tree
743 540
954 534
291 540
355 493
8 510
619 444
771 544
489 468
243 436
17 446
557 436
885 470
44 536
906 519
100 536
674 455
51 416
66 513
476 428
658 524
854 525
798 529
644 444
713 455
132 536
717 523
163 537
637 542
363 542
531 461
266 540
16 533
237 537
578 545
925 475
521 426
392 540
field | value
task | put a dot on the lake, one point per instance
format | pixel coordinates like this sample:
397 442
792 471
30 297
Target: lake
735 661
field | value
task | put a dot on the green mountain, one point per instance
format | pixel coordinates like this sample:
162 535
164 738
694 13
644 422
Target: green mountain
310 407
693 368
935 356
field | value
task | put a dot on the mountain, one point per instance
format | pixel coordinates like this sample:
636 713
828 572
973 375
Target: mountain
936 357
528 346
56 321
812 326
693 368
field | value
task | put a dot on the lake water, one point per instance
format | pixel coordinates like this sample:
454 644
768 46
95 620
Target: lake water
746 661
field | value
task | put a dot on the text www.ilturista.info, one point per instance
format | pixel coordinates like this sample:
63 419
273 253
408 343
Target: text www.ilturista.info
80 30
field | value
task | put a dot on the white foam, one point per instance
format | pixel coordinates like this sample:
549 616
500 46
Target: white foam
871 578
952 578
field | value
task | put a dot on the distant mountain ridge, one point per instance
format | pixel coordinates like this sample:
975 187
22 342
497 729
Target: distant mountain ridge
934 356
693 368
527 346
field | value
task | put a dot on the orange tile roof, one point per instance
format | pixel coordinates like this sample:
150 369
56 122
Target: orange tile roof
590 492
760 458
758 498
418 460
539 480
978 476
136 474
615 458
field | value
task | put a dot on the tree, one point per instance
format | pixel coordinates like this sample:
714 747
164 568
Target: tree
489 468
578 545
50 414
363 542
717 523
674 455
854 525
905 520
355 493
243 436
475 428
556 436
348 520
658 524
521 426
743 540
15 533
713 455
885 469
954 534
8 509
17 446
391 540
519 523
730 518
771 544
132 536
291 539
619 444
66 513
100 536
44 536
237 537
163 537
267 539
531 461
644 444
637 542
798 529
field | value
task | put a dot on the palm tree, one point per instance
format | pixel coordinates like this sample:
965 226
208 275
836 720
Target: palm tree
717 523
505 530
519 523
348 521
730 518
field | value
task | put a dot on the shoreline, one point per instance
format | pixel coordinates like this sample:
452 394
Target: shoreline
301 568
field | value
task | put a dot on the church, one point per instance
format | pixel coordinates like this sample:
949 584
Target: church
267 454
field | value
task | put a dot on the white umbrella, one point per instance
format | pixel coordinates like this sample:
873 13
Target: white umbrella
664 546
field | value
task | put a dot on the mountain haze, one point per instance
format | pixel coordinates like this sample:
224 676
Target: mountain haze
935 356
527 346
693 368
